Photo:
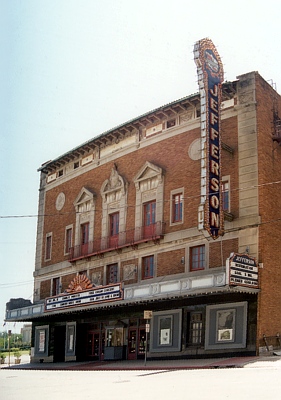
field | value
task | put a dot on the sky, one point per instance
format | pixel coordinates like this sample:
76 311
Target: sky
73 69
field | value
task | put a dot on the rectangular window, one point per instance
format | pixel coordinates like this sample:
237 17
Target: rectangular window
68 240
114 224
84 238
171 123
149 213
48 250
148 267
195 328
197 258
85 233
177 200
149 217
56 288
112 274
225 196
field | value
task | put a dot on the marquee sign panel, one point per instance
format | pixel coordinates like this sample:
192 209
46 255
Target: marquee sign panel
243 271
210 76
97 295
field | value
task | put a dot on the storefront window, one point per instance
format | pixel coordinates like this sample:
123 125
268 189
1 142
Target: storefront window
114 337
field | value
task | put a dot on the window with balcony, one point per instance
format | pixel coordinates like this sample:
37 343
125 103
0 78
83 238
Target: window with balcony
84 226
148 267
149 218
114 194
197 258
149 185
84 237
113 229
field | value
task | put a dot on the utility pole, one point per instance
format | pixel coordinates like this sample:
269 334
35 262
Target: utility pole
9 350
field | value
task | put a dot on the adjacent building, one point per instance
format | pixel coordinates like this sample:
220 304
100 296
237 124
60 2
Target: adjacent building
124 262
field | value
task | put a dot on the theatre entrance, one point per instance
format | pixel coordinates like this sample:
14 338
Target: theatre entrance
95 345
59 343
136 342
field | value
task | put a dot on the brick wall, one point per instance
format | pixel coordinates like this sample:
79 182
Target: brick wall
269 154
66 280
169 262
179 171
220 251
45 289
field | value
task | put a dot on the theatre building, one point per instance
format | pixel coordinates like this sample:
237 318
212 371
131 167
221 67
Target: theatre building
163 235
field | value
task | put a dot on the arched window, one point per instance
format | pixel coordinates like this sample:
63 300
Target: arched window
114 195
149 183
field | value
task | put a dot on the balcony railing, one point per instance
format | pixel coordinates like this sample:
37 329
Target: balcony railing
117 242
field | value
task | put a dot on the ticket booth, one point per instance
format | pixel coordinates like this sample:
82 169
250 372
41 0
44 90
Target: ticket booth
115 348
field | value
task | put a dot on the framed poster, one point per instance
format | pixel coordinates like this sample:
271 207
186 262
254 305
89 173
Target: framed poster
42 335
165 330
41 340
70 338
225 325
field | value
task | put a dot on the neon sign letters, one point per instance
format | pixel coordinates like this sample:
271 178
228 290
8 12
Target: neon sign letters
210 77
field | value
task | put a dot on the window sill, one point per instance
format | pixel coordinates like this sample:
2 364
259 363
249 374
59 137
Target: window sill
228 216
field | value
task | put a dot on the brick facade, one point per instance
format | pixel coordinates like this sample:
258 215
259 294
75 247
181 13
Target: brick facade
145 172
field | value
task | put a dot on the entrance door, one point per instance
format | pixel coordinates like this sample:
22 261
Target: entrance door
141 342
93 350
136 342
132 344
59 344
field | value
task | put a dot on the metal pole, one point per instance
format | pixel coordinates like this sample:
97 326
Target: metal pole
145 354
9 350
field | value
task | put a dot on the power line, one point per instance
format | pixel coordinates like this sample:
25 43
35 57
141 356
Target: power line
132 206
14 284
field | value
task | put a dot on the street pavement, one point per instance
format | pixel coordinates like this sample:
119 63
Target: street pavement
213 379
200 363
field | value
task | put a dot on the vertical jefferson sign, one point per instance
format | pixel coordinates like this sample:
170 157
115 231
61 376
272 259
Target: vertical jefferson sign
210 77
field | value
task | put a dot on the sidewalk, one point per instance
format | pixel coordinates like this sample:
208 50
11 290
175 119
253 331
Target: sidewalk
211 363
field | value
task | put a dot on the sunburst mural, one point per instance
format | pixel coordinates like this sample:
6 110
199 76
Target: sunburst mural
79 283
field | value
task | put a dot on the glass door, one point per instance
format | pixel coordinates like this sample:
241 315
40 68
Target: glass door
141 342
132 344
93 350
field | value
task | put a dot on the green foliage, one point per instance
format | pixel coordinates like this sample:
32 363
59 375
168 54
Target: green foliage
15 341
17 353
